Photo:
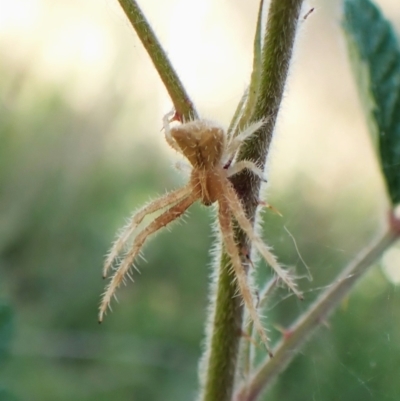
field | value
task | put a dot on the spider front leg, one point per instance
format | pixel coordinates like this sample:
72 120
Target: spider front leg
168 137
239 214
137 218
237 141
246 164
161 221
240 274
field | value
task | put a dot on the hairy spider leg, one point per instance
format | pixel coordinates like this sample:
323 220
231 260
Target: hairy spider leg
137 218
236 142
165 218
167 129
246 164
225 221
244 223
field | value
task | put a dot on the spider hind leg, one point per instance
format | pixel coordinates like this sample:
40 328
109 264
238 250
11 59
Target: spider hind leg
239 214
240 274
137 218
173 213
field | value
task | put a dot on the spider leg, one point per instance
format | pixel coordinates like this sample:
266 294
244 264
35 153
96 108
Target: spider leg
236 141
240 274
239 166
137 218
239 214
167 129
182 166
161 221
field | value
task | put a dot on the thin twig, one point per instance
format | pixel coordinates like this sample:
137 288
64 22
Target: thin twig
252 92
237 115
301 330
182 103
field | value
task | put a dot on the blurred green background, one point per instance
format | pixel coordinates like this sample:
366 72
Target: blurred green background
75 162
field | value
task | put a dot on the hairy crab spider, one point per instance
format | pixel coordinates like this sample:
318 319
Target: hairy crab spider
211 156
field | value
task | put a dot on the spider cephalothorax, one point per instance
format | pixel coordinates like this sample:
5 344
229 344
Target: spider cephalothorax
210 154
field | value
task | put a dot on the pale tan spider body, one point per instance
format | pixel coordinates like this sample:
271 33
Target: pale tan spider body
202 143
210 154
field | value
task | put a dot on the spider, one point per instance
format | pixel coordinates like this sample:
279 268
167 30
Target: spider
211 155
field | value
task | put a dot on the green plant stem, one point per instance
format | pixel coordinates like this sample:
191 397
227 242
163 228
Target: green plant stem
301 330
278 45
252 91
238 114
223 337
182 103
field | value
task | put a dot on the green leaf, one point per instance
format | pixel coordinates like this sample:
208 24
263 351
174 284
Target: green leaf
6 329
375 53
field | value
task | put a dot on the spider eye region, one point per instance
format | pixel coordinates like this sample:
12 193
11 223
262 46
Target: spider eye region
202 142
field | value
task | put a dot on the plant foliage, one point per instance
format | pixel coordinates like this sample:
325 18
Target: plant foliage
375 50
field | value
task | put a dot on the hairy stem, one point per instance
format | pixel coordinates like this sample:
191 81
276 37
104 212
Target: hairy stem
278 45
221 355
182 103
301 330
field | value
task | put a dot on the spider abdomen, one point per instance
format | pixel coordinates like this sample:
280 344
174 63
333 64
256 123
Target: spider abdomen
201 141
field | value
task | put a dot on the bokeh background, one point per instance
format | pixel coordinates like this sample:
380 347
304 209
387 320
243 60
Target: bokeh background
81 147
